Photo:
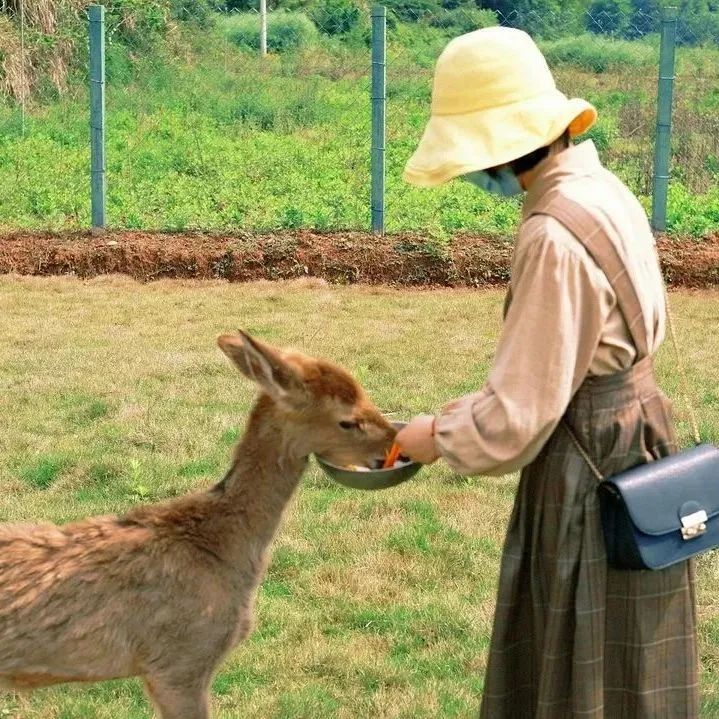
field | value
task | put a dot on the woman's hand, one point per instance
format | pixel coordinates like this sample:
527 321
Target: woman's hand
416 440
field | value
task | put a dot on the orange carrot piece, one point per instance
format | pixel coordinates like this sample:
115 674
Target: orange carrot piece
391 457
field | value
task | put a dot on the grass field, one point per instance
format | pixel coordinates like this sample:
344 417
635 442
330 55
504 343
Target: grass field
203 134
376 605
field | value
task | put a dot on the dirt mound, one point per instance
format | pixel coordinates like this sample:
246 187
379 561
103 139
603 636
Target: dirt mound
345 257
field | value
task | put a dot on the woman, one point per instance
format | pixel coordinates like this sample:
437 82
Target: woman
572 637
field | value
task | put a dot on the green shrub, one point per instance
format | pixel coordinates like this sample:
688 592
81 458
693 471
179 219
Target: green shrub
645 18
598 54
540 18
199 12
136 24
420 43
359 37
285 31
238 5
609 17
335 17
461 20
56 54
698 22
603 134
411 10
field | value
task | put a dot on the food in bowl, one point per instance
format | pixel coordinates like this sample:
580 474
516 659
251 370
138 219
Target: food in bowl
401 462
375 475
393 459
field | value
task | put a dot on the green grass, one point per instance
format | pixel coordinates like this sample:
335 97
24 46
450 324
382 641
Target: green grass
600 54
375 604
42 471
205 135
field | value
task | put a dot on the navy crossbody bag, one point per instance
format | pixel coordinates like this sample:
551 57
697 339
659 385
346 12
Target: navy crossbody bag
665 511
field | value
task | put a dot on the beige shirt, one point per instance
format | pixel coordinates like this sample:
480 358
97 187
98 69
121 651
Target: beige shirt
563 323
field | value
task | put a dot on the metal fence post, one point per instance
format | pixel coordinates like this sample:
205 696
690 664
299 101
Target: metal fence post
379 102
263 27
97 115
663 141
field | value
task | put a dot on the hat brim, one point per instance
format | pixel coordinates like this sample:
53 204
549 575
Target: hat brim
454 145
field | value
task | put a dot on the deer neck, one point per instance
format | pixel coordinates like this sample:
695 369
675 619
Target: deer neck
267 468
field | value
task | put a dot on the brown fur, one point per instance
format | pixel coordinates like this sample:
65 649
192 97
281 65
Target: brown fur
166 590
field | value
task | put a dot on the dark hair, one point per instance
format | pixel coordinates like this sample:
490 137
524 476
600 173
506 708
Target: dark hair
531 160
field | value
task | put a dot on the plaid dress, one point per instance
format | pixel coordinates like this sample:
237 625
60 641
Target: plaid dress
573 637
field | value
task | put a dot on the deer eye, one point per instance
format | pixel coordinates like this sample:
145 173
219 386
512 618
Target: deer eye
349 425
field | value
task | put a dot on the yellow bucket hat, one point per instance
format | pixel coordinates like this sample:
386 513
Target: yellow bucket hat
494 100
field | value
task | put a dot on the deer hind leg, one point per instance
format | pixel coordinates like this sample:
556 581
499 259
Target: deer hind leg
175 699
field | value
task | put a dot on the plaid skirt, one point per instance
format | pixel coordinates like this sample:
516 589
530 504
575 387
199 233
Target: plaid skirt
573 637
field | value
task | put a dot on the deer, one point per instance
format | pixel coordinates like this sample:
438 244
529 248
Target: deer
166 590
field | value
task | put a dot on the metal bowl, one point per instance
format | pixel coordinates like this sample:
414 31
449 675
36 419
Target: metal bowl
373 478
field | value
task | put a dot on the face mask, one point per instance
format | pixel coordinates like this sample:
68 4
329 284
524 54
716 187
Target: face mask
501 182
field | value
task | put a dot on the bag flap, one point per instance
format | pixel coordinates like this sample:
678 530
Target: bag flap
659 493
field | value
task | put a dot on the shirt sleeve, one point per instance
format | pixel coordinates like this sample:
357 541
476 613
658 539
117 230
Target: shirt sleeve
560 302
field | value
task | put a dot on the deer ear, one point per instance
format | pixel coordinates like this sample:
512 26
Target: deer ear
262 364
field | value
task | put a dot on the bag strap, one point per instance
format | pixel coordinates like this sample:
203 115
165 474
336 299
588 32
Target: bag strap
592 235
582 452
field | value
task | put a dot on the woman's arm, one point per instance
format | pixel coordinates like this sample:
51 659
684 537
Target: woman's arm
560 304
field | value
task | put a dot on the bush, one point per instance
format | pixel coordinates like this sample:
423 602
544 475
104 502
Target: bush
138 25
596 54
55 39
609 17
697 24
540 18
335 17
461 20
238 5
359 37
420 43
645 18
285 31
200 12
410 10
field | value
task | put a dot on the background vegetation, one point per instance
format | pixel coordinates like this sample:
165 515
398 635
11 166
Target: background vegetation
202 133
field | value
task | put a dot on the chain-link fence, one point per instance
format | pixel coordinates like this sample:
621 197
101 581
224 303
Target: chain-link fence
604 54
44 139
612 64
234 139
203 131
695 131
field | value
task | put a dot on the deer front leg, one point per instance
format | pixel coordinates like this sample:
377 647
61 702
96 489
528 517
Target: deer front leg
176 699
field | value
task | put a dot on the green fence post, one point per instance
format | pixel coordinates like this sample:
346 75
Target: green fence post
263 27
663 141
379 113
97 115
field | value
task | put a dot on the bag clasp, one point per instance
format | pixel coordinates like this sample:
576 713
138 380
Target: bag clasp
694 525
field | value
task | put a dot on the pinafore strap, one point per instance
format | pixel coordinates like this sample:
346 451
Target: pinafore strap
593 236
